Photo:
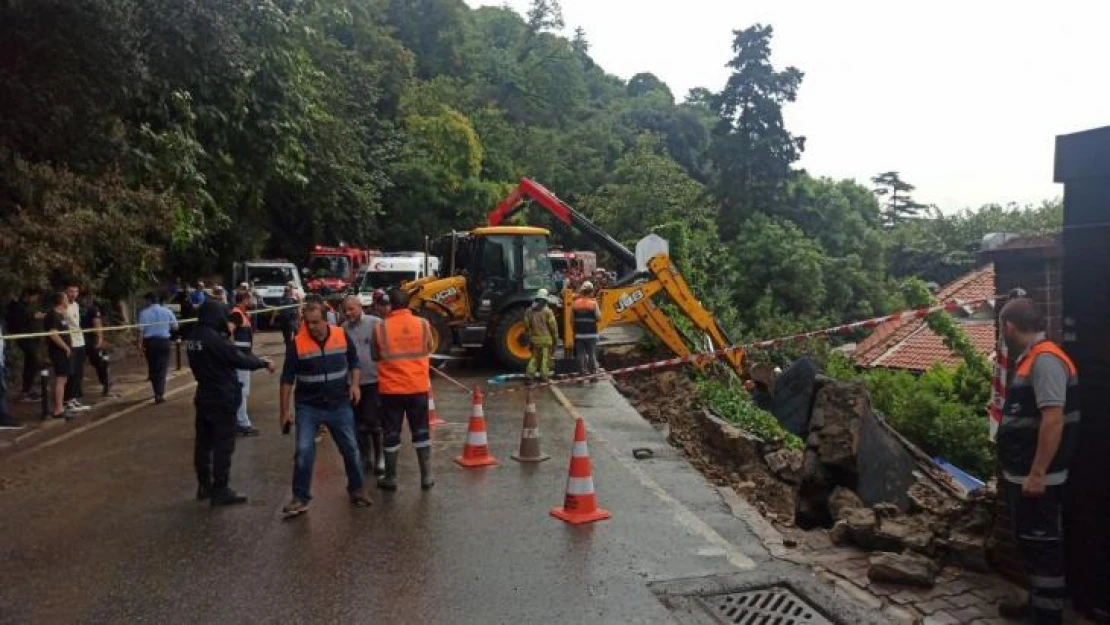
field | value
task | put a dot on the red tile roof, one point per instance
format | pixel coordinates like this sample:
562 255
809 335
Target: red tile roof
912 345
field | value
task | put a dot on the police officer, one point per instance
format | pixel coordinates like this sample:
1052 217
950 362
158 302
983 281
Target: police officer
242 335
324 367
402 348
215 362
1036 440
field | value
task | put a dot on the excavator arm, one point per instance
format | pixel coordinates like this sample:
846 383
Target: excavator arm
532 190
634 304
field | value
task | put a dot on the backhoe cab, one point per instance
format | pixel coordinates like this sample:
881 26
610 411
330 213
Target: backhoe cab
491 277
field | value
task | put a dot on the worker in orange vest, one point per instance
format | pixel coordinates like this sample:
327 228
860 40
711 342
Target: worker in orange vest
402 349
324 371
587 316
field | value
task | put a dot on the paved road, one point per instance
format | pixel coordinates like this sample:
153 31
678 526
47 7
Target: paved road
102 527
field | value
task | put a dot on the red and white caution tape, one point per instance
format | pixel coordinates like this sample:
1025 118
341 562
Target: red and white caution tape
707 357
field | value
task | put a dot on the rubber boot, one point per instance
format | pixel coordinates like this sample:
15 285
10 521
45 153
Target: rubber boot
378 443
389 480
424 457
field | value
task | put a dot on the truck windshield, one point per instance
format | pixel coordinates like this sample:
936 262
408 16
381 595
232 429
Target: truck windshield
537 265
384 279
269 276
329 266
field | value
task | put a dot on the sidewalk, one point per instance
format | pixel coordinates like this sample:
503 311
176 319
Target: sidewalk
129 387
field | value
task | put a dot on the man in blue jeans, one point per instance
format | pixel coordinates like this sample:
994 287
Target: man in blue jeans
323 365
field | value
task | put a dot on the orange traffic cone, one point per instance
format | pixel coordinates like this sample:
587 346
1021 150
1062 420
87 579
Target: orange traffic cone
530 434
476 451
433 414
580 505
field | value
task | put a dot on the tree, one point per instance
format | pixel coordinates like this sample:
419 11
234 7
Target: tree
752 151
545 15
899 204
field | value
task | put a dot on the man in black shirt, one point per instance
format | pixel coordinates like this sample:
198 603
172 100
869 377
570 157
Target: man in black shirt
215 363
60 353
93 319
23 317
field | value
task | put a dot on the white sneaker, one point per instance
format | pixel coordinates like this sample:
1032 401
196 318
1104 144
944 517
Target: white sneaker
77 406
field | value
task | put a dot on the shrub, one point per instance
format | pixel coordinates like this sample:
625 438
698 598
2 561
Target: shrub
941 411
735 405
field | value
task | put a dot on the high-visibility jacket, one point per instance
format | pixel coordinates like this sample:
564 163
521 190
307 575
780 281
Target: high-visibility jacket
243 337
586 317
401 344
322 372
1021 420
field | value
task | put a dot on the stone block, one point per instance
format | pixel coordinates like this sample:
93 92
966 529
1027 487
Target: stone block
841 500
906 568
786 464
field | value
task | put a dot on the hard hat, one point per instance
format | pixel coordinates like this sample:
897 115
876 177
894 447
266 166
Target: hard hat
542 294
587 286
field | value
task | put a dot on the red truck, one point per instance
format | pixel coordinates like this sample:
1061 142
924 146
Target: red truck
334 269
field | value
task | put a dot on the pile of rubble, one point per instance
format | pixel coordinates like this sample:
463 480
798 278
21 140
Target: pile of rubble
856 478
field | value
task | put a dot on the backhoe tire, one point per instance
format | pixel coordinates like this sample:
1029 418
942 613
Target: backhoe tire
510 340
441 335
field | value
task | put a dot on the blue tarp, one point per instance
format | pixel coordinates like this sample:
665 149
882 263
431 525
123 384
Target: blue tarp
968 481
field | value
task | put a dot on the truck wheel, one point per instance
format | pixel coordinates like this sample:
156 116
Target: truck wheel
510 340
441 335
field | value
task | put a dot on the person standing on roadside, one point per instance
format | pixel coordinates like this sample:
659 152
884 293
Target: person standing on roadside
156 322
216 363
75 384
59 351
93 319
7 421
587 316
543 331
242 336
1035 444
324 368
360 327
402 348
24 317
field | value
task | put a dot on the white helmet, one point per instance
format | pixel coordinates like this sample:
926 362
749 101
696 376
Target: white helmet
587 286
542 294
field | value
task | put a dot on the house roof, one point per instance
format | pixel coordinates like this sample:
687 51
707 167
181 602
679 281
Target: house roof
910 344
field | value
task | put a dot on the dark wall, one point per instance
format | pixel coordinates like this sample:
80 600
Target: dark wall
1083 165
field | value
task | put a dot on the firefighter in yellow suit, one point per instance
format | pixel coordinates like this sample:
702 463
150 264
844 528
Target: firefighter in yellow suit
543 330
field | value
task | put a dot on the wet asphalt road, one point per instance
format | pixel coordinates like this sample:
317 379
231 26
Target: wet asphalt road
102 527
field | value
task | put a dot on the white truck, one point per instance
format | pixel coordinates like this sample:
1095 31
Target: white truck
394 268
268 279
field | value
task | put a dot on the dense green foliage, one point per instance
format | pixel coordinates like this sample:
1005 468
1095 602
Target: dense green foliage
734 404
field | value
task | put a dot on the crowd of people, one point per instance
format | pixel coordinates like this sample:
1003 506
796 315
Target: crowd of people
359 377
70 328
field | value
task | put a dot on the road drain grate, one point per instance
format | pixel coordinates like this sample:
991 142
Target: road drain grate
767 606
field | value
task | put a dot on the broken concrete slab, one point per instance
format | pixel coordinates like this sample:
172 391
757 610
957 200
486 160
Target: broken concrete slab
905 568
967 551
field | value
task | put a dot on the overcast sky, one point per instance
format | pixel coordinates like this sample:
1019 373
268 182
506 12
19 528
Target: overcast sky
964 98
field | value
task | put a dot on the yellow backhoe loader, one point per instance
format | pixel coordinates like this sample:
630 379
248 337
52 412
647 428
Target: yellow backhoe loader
492 274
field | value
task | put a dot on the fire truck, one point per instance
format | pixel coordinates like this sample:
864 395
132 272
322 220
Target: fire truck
332 270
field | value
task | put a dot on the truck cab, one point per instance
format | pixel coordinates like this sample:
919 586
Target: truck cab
392 269
268 279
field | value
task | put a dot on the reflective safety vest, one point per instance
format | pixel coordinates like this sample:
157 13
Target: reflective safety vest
585 318
404 366
322 373
1021 421
244 334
